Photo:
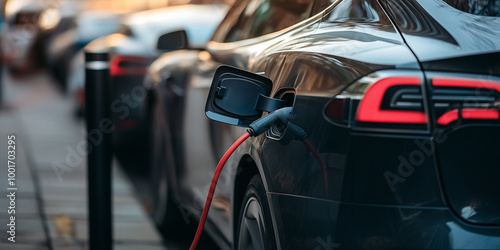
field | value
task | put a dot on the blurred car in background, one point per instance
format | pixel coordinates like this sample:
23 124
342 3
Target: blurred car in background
56 19
31 27
21 31
132 49
400 102
85 27
93 24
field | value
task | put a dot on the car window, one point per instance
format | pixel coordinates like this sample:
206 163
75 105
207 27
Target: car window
274 15
181 2
355 10
348 10
253 18
243 23
477 7
229 21
125 30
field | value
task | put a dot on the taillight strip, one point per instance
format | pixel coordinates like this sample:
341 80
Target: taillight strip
469 113
369 109
479 114
118 70
464 83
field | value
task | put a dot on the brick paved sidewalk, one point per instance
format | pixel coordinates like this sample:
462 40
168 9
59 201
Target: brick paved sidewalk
51 212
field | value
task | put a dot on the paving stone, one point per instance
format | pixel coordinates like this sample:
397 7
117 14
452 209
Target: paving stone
65 245
74 191
133 246
139 232
21 246
44 121
68 245
76 208
22 185
51 178
21 194
124 209
123 231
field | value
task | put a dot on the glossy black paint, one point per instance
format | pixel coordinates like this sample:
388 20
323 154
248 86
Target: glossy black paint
386 189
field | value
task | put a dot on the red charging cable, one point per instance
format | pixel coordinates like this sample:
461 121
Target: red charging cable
218 170
256 128
321 163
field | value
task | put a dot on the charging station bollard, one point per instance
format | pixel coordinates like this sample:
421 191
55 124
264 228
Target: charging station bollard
1 77
1 83
99 145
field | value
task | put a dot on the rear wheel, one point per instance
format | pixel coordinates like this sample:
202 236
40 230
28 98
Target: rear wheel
255 230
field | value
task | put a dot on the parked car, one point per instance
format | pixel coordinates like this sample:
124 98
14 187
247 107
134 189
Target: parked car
399 100
134 48
58 18
20 35
86 26
31 26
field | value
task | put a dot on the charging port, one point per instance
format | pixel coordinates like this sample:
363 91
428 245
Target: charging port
278 129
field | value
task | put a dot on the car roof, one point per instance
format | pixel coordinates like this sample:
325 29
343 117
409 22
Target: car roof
170 13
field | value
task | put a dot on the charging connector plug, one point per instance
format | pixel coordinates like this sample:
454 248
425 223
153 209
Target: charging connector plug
264 123
281 115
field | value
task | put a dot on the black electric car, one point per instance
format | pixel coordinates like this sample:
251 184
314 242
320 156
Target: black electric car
399 100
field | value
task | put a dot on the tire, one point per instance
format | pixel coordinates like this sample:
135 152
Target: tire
255 229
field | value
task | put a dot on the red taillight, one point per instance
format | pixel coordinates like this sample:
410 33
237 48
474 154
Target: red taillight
129 65
468 114
394 100
338 109
127 125
370 107
80 96
465 99
382 100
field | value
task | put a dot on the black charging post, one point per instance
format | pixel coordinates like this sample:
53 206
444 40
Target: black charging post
2 20
1 82
1 74
99 128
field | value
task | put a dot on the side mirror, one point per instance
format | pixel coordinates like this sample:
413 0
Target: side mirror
173 41
239 97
